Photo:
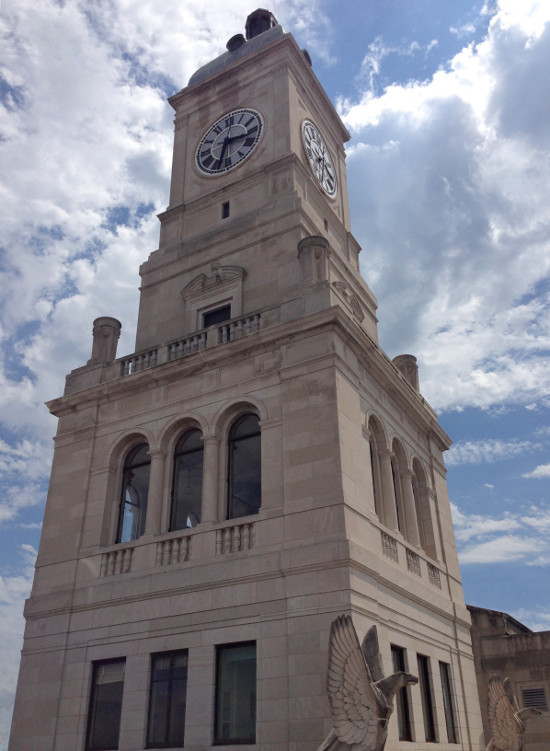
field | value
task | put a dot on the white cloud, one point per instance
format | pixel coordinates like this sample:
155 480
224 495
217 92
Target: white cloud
14 589
486 451
542 472
501 550
536 620
448 187
519 536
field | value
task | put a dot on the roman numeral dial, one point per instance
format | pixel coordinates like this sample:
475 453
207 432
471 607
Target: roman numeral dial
319 158
229 141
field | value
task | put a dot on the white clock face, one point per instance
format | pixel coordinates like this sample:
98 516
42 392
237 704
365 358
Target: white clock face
319 158
229 141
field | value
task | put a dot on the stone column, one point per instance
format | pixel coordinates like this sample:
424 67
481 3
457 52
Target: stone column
388 494
313 253
106 334
210 475
155 495
409 507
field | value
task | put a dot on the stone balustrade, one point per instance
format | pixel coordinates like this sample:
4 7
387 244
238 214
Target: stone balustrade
174 550
234 539
116 562
226 332
398 551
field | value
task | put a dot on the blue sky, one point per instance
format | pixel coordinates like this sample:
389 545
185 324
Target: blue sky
447 103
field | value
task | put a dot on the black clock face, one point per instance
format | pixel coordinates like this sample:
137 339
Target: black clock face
319 158
229 141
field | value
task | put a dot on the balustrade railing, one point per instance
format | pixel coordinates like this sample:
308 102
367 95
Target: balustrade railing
175 550
389 547
434 576
116 562
187 346
190 345
135 363
413 562
235 538
231 330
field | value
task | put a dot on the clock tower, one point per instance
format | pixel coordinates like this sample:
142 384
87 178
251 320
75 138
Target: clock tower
255 468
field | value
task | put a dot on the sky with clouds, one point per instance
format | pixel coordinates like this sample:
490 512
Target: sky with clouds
448 106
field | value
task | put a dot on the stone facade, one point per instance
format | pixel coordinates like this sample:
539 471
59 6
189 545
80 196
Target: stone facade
507 648
354 515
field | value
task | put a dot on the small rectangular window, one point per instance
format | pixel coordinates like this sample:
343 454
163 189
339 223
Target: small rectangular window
402 696
225 209
426 695
167 699
235 694
445 671
105 705
219 315
535 697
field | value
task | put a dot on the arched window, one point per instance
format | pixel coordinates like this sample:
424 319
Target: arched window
376 440
244 495
397 462
423 512
135 487
187 481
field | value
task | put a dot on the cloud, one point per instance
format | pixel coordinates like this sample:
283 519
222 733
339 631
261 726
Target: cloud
542 472
536 620
519 536
486 451
501 550
14 589
448 186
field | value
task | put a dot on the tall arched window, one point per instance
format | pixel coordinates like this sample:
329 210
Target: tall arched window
376 440
187 481
135 487
244 495
423 512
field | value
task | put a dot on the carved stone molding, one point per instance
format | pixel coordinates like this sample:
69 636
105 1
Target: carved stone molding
351 298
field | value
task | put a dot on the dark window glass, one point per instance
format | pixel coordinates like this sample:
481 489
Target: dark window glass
426 694
445 671
187 483
236 694
135 487
402 696
167 699
225 209
244 480
397 492
214 317
375 467
105 705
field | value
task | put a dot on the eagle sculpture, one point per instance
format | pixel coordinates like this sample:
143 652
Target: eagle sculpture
360 698
505 717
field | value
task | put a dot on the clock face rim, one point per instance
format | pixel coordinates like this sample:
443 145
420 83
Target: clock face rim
305 123
206 171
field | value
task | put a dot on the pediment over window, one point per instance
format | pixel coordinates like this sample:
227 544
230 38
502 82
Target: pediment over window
219 275
220 287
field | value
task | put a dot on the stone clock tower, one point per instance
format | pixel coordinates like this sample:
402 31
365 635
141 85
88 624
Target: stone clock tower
257 467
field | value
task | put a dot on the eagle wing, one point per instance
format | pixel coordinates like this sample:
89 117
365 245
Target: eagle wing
505 727
354 701
371 653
